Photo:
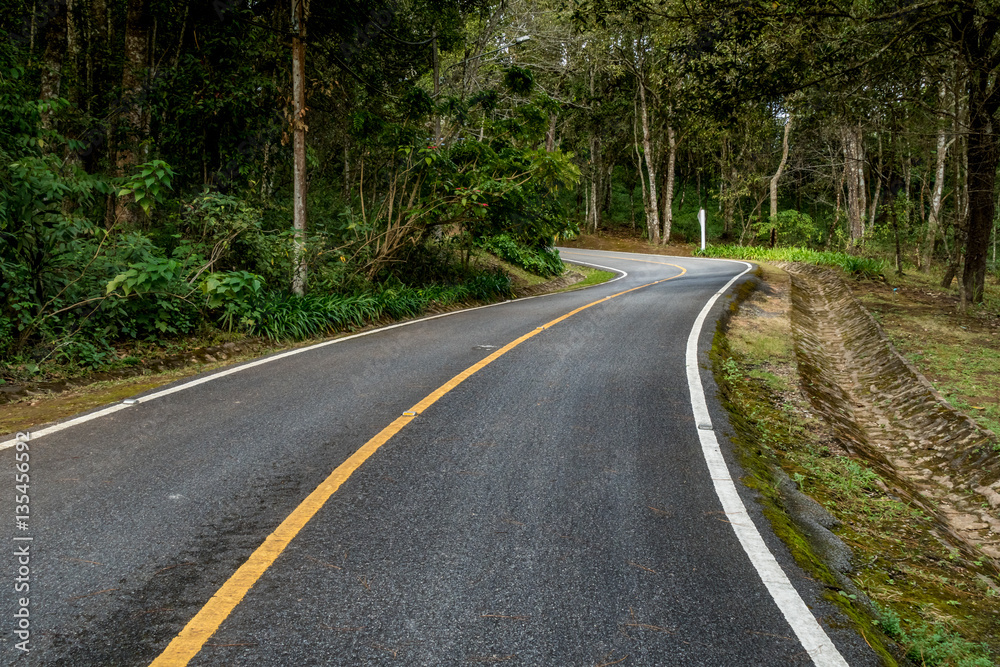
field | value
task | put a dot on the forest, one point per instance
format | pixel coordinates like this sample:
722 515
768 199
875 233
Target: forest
173 168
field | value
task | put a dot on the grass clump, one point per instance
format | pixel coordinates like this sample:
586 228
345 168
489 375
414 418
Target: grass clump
861 267
931 646
290 317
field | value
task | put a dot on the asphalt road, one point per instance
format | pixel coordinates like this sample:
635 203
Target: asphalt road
555 508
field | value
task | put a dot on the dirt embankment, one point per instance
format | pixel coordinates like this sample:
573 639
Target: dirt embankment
883 410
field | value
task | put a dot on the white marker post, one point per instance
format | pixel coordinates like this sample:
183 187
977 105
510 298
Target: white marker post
701 219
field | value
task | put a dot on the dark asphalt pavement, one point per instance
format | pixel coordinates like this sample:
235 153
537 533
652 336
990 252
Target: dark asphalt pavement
554 509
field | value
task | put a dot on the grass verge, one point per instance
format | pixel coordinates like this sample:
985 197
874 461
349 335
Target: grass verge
863 267
590 277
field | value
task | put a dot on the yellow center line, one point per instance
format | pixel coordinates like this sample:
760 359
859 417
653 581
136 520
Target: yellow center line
206 622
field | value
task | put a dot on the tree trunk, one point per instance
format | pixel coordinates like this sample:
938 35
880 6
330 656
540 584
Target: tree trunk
137 24
52 61
72 71
652 207
595 213
934 215
835 224
727 203
981 175
594 220
668 194
609 168
862 187
550 136
631 206
878 177
697 184
781 168
855 186
97 80
299 13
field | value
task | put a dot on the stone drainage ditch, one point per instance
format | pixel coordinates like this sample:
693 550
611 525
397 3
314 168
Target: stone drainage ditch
884 411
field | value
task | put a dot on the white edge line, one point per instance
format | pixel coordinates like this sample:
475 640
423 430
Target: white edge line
812 636
61 426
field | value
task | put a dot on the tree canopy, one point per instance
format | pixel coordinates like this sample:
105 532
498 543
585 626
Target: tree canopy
149 153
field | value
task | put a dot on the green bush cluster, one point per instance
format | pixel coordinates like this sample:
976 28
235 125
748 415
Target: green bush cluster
861 267
280 316
540 261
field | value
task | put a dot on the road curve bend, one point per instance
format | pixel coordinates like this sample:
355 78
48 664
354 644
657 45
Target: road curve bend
545 481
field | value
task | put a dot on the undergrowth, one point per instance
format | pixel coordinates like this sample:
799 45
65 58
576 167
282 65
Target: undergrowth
289 317
862 267
540 261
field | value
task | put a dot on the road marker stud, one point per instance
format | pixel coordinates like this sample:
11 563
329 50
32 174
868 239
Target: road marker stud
186 645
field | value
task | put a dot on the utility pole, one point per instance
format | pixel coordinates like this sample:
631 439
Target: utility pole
300 11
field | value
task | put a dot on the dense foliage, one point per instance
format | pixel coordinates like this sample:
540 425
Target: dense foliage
146 150
146 172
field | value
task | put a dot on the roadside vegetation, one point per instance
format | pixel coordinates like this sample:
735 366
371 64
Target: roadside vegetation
911 595
861 267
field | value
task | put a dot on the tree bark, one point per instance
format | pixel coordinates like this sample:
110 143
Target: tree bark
727 203
52 61
596 190
550 136
934 215
652 207
855 186
73 67
878 177
981 175
299 13
862 186
960 227
781 169
668 193
134 117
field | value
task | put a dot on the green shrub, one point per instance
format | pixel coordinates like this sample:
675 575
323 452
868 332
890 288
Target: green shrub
540 261
283 316
862 267
933 645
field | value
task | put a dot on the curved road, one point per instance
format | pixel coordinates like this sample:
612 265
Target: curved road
555 506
